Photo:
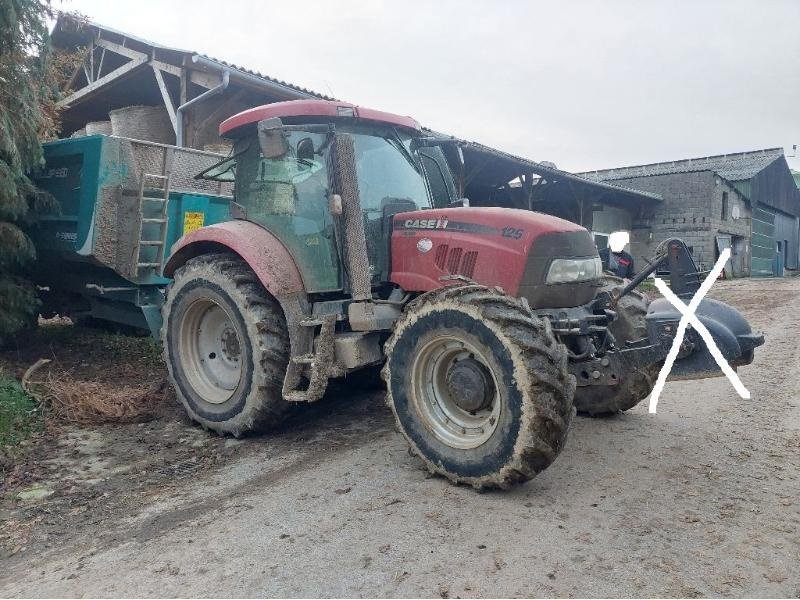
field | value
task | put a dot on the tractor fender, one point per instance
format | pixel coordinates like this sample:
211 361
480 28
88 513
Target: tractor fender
259 248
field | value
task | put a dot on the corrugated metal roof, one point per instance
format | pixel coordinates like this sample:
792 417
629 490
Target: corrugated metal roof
544 170
733 167
227 65
68 27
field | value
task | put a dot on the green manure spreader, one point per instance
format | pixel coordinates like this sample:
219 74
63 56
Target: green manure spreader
123 203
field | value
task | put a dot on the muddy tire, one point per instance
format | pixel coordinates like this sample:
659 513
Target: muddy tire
478 386
226 345
630 325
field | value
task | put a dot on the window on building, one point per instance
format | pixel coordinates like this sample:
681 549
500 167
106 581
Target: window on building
724 206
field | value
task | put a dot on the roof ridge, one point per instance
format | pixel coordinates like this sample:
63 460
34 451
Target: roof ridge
698 159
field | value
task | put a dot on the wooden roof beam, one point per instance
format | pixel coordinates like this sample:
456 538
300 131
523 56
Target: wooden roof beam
166 97
137 55
104 80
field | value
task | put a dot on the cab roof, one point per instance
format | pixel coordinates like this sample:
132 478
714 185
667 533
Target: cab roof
322 109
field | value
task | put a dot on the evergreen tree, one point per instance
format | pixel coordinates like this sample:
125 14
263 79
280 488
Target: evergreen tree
28 91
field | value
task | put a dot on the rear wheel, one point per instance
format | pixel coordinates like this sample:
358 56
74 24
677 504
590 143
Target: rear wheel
479 386
226 345
635 386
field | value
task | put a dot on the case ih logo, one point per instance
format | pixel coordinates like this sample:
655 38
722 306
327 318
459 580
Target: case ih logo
425 224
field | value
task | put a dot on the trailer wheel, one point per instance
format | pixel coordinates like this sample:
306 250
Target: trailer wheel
226 345
479 386
630 325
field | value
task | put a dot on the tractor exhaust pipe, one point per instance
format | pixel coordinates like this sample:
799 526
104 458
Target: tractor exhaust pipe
362 314
355 240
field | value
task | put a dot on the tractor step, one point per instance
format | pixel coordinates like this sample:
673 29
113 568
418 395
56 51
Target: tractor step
304 359
312 356
151 243
311 322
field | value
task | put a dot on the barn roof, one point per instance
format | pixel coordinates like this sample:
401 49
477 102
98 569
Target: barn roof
72 31
733 167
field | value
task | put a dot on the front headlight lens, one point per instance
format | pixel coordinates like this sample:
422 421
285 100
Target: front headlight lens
564 270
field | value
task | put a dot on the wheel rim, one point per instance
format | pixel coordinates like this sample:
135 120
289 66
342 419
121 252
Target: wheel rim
434 401
210 351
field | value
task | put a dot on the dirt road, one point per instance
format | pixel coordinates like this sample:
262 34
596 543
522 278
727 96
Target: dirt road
701 499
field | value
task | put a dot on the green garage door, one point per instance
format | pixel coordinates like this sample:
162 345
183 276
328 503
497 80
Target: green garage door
763 242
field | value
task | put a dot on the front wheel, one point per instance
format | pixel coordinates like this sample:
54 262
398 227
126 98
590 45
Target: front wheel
479 386
630 325
226 345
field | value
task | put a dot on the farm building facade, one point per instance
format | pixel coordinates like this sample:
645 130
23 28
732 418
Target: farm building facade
747 202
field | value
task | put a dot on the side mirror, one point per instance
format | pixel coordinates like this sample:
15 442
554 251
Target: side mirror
305 150
272 138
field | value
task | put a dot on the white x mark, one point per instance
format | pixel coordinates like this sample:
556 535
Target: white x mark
689 317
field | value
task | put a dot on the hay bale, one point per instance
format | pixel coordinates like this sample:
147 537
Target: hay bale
149 123
218 148
98 127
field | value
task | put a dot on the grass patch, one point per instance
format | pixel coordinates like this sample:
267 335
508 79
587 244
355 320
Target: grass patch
19 413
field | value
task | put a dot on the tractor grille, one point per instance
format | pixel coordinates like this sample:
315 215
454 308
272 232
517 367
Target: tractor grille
455 261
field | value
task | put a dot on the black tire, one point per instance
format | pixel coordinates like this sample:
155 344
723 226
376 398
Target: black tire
630 325
531 389
261 341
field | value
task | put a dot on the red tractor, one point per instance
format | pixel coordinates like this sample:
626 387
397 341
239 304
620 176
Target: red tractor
486 318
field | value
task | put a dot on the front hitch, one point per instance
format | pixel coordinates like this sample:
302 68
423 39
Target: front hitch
672 254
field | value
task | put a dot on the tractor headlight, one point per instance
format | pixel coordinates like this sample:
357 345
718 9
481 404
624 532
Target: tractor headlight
568 270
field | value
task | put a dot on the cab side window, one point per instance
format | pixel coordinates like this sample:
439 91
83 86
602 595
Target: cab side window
438 176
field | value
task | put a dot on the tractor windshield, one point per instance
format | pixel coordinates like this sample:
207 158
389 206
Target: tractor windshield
289 195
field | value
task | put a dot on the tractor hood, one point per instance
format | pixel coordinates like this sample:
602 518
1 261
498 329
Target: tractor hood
509 248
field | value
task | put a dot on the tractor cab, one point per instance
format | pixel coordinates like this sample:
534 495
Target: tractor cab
282 167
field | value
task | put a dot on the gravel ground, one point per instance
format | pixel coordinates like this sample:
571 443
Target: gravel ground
698 500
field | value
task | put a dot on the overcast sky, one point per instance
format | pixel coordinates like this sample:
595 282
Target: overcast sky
586 85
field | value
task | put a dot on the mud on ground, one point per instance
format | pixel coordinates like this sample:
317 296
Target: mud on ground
699 500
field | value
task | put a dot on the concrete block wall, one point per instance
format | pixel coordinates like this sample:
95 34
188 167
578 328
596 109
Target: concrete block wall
687 212
740 253
691 210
